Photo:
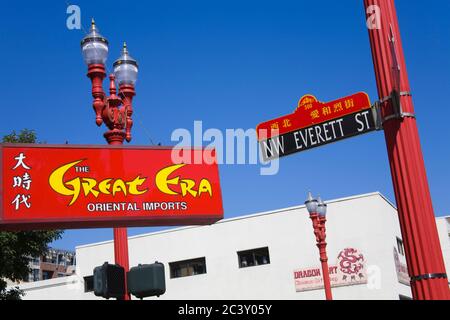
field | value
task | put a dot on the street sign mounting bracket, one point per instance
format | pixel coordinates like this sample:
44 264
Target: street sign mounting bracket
396 105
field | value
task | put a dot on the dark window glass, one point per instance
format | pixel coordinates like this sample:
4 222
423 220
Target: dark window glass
187 268
89 284
47 275
254 257
35 274
400 248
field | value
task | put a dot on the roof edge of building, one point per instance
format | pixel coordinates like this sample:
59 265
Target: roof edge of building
49 283
248 216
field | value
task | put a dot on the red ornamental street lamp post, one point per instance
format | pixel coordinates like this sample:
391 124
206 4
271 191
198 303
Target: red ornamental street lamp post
417 221
317 212
115 111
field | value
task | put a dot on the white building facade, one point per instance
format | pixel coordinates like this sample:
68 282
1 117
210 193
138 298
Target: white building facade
270 255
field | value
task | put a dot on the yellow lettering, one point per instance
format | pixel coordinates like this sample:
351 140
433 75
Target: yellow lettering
104 186
132 186
91 186
205 186
75 183
118 186
57 184
186 186
88 186
162 179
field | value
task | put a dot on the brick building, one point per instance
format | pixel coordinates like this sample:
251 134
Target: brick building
54 264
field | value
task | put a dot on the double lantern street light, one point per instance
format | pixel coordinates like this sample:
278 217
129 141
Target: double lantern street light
95 52
115 111
317 212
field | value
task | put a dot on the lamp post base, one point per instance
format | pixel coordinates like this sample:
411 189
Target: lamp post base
115 137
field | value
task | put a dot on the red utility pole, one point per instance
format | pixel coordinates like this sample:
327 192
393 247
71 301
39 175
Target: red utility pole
113 110
320 232
417 221
117 120
317 212
115 136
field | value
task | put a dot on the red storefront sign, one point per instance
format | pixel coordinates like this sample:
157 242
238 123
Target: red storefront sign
310 111
47 186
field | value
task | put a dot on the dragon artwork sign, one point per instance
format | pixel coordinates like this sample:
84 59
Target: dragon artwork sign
348 270
48 186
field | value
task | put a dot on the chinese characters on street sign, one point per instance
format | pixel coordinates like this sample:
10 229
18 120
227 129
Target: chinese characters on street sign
44 186
315 124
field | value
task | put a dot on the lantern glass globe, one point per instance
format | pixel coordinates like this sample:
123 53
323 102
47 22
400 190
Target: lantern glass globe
94 47
311 204
126 68
321 208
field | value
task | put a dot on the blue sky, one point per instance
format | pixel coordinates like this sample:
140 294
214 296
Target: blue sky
230 64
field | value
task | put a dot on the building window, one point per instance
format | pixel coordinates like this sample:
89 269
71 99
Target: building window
88 284
254 257
34 275
47 275
400 248
35 261
187 268
61 259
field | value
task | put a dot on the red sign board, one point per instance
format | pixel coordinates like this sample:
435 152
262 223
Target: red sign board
47 186
310 111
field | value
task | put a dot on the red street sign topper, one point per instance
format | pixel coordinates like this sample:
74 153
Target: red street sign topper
52 186
310 111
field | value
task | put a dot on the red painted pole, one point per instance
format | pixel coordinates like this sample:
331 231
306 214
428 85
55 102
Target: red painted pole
121 239
116 136
325 270
417 221
121 253
320 233
95 49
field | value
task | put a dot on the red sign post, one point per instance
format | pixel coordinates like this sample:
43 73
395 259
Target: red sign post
44 186
417 221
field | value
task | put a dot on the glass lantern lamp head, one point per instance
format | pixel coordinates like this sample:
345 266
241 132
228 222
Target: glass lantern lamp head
321 208
125 68
94 46
311 204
